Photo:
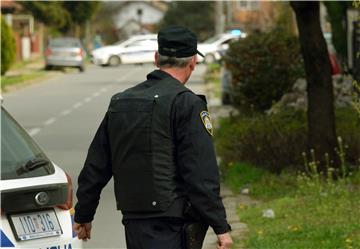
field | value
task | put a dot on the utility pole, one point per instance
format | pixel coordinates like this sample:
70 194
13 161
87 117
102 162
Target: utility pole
229 13
219 17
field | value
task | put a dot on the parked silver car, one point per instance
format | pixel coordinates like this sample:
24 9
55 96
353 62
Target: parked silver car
66 52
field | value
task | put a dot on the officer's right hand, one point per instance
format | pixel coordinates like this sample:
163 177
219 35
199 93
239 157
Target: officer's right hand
224 241
83 231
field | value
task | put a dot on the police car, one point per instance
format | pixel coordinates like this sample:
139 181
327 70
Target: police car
36 195
136 49
215 47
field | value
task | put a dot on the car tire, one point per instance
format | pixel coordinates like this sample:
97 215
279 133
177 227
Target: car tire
48 67
209 58
114 61
81 69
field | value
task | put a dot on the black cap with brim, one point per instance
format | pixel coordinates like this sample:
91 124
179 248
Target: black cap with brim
177 42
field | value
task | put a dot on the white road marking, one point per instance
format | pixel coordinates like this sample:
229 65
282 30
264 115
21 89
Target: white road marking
50 121
34 131
77 105
66 112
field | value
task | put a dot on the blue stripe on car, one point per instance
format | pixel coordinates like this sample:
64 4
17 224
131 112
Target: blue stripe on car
5 242
72 223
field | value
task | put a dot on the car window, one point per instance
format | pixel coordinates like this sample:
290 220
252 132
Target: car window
17 148
228 41
64 43
118 42
213 39
139 43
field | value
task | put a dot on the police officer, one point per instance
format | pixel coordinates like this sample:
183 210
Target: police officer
156 141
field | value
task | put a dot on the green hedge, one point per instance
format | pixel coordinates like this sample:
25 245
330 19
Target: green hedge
8 47
277 142
264 66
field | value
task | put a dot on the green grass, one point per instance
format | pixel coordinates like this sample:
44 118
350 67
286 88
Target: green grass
7 81
262 184
305 222
308 214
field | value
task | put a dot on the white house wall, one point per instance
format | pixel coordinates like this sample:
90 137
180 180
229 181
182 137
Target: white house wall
150 15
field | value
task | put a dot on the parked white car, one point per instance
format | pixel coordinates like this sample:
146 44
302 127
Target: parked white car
215 47
137 49
36 195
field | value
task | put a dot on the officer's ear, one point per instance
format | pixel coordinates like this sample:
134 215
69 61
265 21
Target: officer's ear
156 59
193 63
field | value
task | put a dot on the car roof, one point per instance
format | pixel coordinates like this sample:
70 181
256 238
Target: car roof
65 38
144 36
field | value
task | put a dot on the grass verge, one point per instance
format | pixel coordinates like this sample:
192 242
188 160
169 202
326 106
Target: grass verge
10 81
309 213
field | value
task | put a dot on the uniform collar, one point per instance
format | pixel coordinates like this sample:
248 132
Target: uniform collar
158 75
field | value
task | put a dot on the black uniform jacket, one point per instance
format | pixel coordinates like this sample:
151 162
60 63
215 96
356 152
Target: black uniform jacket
195 161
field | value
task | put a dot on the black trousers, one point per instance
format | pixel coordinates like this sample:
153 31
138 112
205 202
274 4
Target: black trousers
154 233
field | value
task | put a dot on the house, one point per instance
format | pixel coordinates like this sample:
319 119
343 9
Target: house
137 17
253 15
27 32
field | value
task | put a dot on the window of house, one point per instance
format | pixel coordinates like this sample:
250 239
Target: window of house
247 5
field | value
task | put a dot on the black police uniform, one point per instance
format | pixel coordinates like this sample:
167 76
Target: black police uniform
198 179
155 140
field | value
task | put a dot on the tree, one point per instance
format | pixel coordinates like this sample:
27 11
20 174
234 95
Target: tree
7 47
63 15
50 13
197 16
104 22
321 117
80 13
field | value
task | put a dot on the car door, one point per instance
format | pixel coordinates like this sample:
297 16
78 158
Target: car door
141 51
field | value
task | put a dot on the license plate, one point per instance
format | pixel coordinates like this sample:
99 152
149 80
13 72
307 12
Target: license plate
34 225
62 54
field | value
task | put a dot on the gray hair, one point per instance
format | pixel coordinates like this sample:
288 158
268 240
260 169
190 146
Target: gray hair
167 61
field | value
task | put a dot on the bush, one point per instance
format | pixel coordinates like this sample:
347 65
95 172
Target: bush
8 48
277 142
264 66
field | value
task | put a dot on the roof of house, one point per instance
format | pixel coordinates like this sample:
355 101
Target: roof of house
10 4
160 5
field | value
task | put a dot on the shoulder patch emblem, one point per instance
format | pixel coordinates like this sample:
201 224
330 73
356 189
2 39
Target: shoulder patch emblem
206 119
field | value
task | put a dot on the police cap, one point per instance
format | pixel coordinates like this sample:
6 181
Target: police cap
177 42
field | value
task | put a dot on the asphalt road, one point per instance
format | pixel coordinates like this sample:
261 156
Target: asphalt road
63 113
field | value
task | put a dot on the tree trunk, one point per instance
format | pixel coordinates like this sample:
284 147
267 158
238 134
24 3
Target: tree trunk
321 118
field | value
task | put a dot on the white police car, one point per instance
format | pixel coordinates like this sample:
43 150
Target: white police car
36 195
215 47
136 49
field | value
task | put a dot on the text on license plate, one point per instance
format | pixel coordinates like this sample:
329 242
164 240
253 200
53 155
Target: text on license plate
35 225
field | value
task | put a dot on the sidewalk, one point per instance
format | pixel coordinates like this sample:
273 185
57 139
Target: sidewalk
239 229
